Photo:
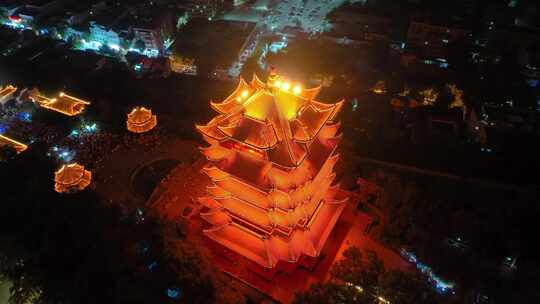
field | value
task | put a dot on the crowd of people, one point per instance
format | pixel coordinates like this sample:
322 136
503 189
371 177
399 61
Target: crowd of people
88 147
91 148
149 140
16 122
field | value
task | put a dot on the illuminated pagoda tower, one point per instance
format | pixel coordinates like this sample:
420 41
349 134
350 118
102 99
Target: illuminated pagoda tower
271 157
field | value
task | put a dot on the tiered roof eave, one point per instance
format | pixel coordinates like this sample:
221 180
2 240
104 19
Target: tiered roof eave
283 146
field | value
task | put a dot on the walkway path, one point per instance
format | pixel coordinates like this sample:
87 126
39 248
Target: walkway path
113 179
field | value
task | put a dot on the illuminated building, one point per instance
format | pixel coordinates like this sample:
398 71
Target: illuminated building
141 120
271 155
25 14
63 103
6 93
104 28
70 178
154 28
6 141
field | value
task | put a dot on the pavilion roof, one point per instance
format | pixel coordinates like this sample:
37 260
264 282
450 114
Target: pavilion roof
6 141
6 91
63 103
140 120
273 118
71 177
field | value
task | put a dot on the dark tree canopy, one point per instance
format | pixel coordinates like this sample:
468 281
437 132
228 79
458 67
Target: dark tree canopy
71 248
331 293
7 153
360 278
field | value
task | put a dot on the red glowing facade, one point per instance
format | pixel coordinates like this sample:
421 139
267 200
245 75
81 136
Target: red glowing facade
271 153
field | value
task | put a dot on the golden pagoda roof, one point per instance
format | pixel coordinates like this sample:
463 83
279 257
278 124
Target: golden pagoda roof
63 103
275 118
6 141
71 177
140 120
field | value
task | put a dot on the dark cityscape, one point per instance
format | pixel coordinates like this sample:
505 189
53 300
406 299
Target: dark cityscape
269 151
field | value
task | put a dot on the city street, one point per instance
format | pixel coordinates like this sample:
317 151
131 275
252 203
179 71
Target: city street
307 14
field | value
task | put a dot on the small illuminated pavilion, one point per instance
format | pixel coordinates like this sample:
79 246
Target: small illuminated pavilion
6 92
271 153
6 141
71 178
63 103
141 120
